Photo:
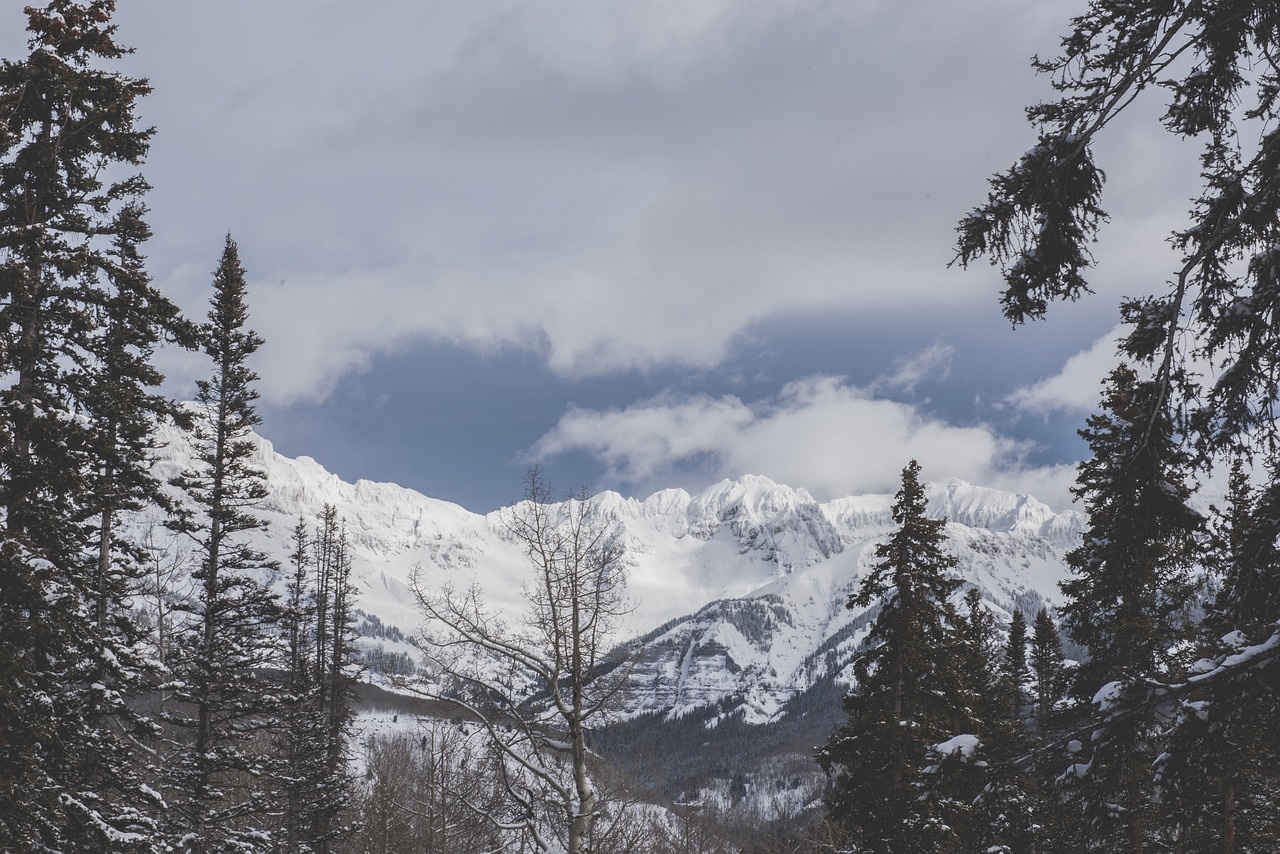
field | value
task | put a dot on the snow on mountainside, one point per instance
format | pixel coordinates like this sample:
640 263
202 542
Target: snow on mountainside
748 579
754 653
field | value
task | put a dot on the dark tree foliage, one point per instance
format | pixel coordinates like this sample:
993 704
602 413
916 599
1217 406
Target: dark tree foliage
324 707
65 123
990 703
1217 63
318 715
1047 666
907 684
226 707
1128 596
1218 66
977 791
78 322
1013 667
297 619
1130 586
1217 771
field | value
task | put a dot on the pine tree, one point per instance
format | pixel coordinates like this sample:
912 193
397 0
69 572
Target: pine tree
123 409
1047 665
337 671
985 796
297 735
74 306
1128 598
990 705
226 709
1214 770
1014 663
316 739
1216 62
907 684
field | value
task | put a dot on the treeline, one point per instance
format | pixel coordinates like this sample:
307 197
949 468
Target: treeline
138 714
960 739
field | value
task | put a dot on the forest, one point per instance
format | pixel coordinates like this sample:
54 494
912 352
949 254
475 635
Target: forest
141 711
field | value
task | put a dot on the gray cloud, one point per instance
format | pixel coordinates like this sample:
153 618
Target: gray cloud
623 189
613 185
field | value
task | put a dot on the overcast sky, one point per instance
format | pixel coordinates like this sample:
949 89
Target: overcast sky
645 244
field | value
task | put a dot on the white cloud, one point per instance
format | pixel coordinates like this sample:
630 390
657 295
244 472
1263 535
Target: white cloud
820 433
932 363
1077 386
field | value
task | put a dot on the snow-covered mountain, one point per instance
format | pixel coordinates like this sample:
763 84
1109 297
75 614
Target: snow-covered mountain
745 582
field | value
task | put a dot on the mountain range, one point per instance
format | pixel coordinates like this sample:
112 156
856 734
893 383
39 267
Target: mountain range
738 592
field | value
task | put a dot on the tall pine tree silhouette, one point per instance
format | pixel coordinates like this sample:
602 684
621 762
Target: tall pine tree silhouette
1128 598
907 685
1216 772
226 709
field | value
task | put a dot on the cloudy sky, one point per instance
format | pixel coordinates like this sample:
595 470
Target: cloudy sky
644 244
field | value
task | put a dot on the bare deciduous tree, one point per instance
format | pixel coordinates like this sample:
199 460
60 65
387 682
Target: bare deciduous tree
417 791
538 687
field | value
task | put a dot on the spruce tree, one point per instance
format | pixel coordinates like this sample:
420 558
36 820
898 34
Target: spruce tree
123 409
1047 665
1128 599
316 739
907 684
227 709
296 736
78 321
1013 667
1216 306
336 673
990 705
1215 771
984 796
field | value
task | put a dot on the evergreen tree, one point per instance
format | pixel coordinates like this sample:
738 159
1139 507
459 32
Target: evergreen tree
907 684
984 796
296 738
1215 770
78 322
990 705
1216 62
226 709
336 673
1128 598
316 783
1014 664
123 410
1047 667
1130 586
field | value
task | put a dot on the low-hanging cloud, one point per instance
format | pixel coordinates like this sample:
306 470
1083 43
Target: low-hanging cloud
820 433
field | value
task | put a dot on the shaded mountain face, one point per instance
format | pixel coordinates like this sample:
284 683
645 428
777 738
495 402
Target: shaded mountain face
746 582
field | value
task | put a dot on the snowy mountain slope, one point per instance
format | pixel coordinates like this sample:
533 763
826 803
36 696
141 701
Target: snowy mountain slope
762 570
754 653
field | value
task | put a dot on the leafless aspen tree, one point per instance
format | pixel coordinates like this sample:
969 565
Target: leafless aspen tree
416 795
539 686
